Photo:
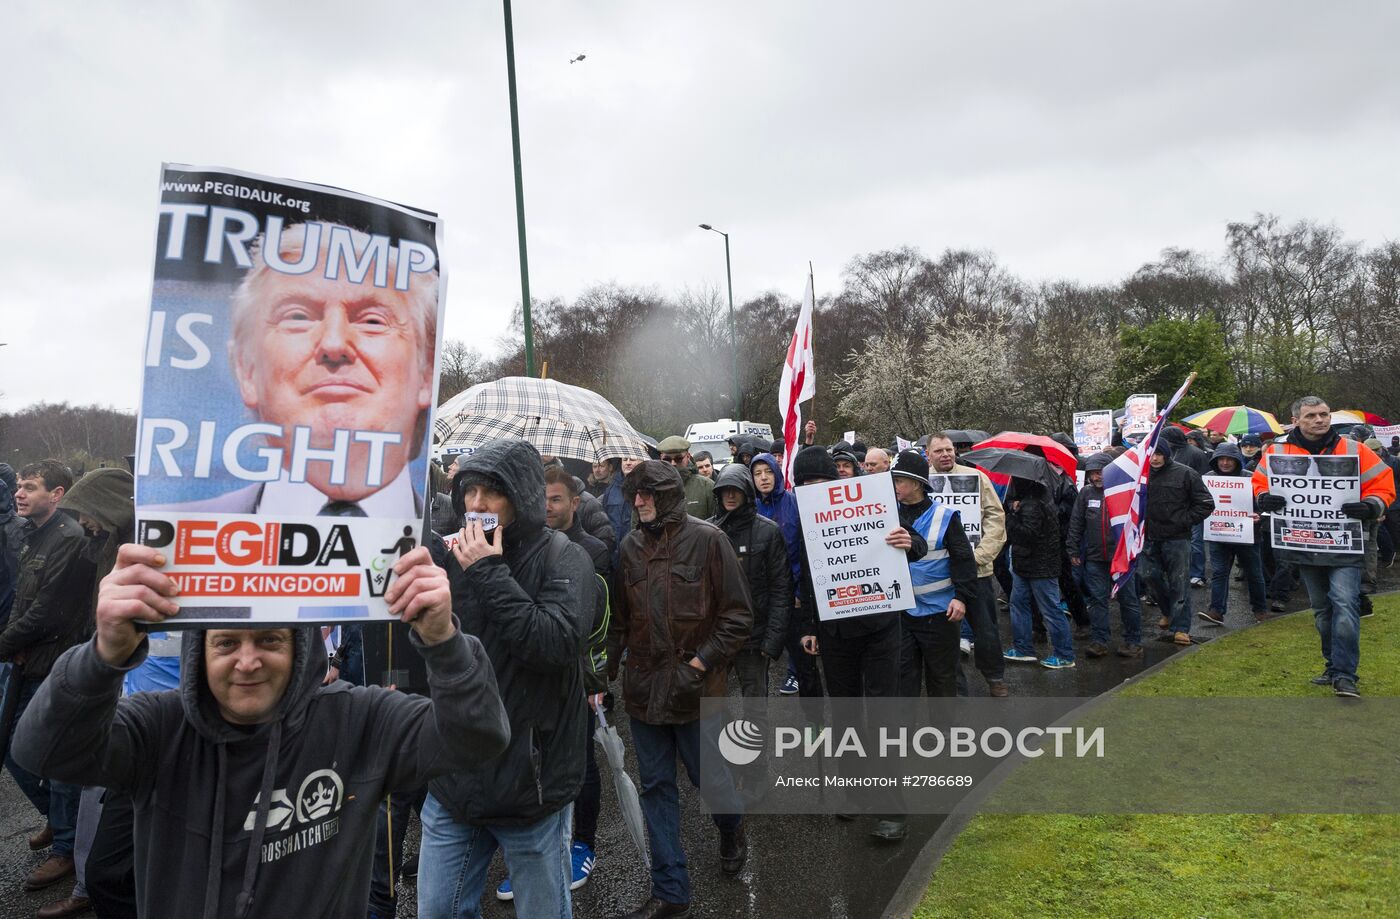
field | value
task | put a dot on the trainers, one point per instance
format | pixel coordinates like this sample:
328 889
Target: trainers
789 687
1367 610
1322 679
583 860
1182 638
1212 617
1345 688
1198 582
1130 651
1018 657
1277 607
965 646
1148 600
1058 663
1096 649
504 892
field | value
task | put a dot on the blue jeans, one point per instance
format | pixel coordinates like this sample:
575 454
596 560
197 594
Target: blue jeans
657 747
1046 593
1098 588
1198 551
1223 556
57 801
1165 563
453 859
1335 594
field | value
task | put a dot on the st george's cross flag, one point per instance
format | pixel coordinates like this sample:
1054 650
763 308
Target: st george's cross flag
799 382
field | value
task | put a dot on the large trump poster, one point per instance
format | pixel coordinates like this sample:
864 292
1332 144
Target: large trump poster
288 384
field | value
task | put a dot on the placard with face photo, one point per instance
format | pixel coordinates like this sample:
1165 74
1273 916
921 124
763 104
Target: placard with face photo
290 372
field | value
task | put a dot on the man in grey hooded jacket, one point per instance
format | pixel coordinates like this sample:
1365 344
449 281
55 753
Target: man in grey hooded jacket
255 788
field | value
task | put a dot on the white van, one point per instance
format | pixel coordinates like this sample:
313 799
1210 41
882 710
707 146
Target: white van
713 436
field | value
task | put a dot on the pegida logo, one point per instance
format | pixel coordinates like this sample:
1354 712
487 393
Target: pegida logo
741 742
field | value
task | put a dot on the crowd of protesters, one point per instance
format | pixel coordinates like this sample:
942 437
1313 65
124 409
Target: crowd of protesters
158 758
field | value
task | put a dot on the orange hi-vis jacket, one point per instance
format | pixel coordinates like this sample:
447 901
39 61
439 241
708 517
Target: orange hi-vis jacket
1377 484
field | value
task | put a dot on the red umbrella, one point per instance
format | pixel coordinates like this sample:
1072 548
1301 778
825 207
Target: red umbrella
1052 450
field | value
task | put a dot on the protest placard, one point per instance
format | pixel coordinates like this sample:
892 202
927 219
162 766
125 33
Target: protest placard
961 492
849 437
854 572
1233 518
1315 488
1139 414
286 413
1384 432
1093 431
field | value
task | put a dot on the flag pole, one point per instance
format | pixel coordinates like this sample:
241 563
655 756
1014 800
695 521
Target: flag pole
811 279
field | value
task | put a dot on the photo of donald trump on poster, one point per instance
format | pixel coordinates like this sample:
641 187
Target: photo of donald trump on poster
289 379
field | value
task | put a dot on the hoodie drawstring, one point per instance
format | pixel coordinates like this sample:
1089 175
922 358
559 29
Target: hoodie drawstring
244 903
216 844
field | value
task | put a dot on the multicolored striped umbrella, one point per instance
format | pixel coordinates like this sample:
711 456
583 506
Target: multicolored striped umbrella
1235 419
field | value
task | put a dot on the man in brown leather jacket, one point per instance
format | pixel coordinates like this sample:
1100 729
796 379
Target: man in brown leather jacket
683 612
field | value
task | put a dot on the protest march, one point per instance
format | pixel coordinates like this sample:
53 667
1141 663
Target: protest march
903 586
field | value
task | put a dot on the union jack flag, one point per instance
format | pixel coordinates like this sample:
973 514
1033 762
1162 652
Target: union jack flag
1125 495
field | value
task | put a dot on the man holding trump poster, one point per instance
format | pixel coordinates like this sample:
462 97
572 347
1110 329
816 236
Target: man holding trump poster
290 374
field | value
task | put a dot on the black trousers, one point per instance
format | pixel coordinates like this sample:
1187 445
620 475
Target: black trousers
862 665
928 654
110 874
986 648
388 852
589 801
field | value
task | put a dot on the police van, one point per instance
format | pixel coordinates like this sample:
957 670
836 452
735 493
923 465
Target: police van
713 436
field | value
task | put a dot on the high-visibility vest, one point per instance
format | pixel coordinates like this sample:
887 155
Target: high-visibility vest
1377 479
932 574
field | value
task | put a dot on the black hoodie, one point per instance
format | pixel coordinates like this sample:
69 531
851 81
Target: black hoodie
762 552
277 819
532 607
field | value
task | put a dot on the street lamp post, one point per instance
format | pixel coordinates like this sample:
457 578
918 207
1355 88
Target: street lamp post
519 196
733 336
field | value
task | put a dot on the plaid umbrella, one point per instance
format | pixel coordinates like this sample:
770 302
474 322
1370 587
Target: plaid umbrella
559 419
1235 419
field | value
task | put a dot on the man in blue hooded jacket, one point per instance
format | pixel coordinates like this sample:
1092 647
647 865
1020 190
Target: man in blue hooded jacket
778 504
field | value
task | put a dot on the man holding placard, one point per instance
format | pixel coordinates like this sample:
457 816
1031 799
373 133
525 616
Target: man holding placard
1229 535
1321 488
987 538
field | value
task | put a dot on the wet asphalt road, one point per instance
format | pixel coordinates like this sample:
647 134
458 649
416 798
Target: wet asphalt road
808 866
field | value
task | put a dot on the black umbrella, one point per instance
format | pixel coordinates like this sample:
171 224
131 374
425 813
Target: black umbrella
1015 463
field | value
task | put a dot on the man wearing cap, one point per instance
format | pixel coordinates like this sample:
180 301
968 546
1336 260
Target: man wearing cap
699 491
860 656
847 463
945 585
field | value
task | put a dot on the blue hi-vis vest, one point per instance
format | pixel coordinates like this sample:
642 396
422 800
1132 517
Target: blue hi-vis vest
933 576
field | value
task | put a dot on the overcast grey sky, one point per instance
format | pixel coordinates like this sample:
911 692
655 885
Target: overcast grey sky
1076 140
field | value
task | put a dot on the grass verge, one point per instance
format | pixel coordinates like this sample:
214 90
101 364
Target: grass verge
1218 865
